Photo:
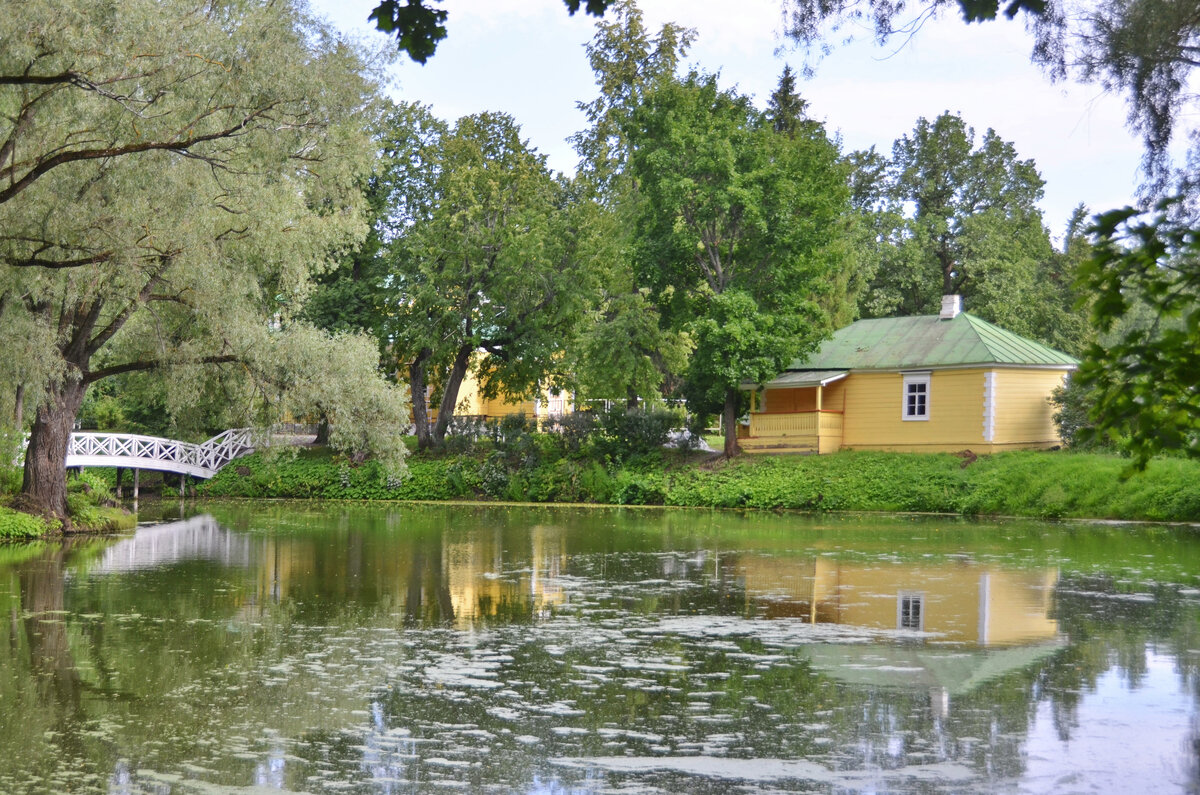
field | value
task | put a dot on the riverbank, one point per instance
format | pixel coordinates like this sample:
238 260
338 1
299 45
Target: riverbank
89 501
1030 484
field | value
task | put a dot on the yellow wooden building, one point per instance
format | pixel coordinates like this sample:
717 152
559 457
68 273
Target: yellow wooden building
944 382
548 405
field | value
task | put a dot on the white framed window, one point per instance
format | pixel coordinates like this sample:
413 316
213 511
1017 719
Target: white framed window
915 398
910 610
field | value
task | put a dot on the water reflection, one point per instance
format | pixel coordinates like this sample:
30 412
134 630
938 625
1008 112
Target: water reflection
403 650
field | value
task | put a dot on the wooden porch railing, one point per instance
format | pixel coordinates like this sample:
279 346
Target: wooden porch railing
805 423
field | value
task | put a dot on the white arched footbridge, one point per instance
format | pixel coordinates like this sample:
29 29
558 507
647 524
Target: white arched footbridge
133 451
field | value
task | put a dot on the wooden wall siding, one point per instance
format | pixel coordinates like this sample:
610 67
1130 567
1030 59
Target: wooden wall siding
774 401
778 401
874 404
500 407
1023 415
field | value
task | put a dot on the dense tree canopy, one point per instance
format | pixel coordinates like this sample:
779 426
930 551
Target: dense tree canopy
1145 381
173 173
492 270
1146 50
955 217
625 349
738 223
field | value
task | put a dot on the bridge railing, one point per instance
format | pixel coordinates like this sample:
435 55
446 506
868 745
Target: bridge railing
203 459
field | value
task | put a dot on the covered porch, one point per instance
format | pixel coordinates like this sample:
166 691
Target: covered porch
798 412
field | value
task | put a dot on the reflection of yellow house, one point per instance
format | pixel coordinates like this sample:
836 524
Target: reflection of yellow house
474 573
957 602
943 382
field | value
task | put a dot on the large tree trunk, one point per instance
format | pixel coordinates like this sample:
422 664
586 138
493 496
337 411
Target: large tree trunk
631 398
729 417
420 404
44 489
450 394
322 439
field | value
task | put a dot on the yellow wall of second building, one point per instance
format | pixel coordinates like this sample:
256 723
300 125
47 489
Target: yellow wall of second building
472 403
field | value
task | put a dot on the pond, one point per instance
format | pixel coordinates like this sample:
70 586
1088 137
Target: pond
428 648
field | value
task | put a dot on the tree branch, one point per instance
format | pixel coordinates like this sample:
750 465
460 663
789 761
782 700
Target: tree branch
143 366
75 155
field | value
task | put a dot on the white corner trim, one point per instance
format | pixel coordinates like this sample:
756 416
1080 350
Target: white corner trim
989 406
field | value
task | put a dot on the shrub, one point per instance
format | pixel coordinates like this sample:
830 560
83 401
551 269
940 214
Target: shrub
572 431
92 482
462 434
629 433
17 525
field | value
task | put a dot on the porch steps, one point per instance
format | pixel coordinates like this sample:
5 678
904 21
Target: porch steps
777 445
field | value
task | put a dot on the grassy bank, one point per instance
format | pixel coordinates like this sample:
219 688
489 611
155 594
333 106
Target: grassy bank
89 502
1033 484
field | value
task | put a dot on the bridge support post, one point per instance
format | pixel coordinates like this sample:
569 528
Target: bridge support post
182 485
120 473
136 473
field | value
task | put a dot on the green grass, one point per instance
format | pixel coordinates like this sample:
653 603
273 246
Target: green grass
1031 484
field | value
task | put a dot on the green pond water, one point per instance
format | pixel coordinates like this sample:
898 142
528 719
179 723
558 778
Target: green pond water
397 649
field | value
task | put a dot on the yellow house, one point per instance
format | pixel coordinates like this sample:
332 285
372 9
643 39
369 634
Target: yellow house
546 407
933 383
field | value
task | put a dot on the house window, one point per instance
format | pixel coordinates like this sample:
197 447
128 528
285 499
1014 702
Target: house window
916 396
910 611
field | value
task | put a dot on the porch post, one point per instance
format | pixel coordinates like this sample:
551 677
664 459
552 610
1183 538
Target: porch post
819 389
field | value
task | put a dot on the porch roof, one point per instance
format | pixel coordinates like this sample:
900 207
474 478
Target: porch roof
802 378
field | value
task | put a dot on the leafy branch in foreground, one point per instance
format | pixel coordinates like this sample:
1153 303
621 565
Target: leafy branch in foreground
1145 382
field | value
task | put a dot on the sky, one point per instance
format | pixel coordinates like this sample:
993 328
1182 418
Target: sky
526 58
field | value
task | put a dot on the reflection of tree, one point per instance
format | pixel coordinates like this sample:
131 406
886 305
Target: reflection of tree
50 655
43 692
1111 622
428 600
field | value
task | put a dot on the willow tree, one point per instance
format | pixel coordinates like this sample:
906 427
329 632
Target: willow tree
173 173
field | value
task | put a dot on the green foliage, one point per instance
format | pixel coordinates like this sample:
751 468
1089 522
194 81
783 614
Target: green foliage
626 348
573 430
491 253
739 230
624 434
1035 484
955 217
1073 406
10 452
93 483
15 525
206 188
1143 383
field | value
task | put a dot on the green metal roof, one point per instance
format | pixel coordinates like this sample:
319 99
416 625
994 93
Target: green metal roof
905 343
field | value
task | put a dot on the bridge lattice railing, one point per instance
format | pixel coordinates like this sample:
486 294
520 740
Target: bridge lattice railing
210 455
